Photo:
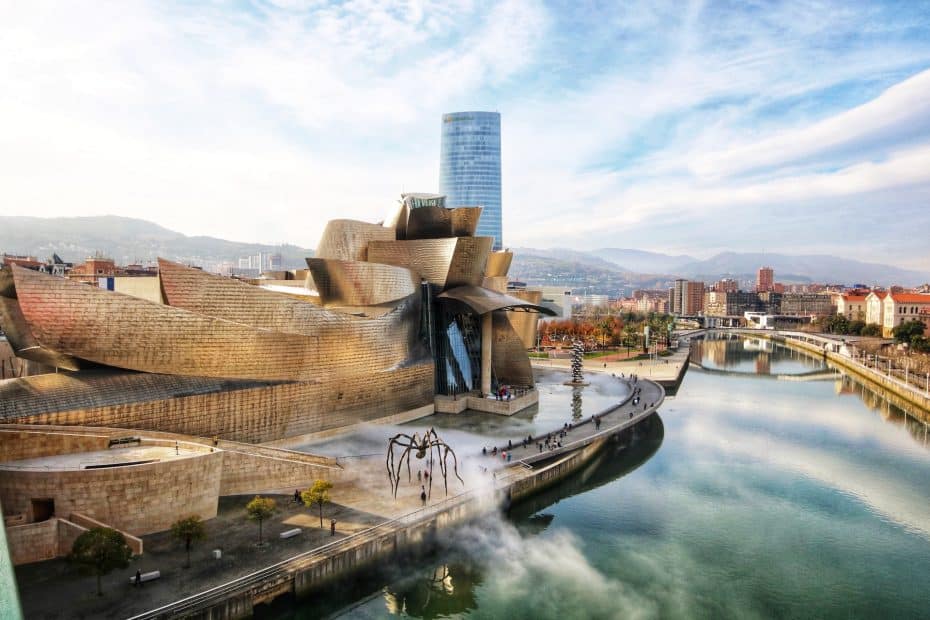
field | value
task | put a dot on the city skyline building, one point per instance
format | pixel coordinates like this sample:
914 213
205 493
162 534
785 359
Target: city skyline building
470 167
686 298
765 280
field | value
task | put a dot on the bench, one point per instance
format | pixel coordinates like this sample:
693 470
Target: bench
289 533
118 441
150 576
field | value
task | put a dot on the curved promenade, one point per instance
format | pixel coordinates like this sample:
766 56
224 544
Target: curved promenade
528 471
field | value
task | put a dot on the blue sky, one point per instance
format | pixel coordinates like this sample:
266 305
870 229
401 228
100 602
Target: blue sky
685 127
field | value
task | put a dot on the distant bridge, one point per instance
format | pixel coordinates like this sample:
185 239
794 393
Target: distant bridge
820 374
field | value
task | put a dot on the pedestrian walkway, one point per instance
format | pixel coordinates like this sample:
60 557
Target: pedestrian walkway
643 399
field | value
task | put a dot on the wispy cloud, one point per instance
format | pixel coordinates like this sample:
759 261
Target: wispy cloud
637 125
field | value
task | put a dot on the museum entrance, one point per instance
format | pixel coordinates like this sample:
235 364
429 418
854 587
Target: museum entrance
43 509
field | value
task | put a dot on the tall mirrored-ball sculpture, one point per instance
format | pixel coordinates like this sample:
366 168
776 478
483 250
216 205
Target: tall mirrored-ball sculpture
577 361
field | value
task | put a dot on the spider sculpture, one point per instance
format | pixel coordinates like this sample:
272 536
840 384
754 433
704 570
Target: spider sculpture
420 446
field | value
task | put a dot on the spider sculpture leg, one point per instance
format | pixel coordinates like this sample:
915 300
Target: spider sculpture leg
394 465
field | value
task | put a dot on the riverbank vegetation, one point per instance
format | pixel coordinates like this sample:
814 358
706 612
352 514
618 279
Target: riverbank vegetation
599 333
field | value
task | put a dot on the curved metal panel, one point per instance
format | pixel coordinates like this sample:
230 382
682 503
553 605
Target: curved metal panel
440 223
398 220
465 221
19 335
429 223
447 263
351 283
498 264
430 258
469 261
497 283
394 332
526 323
135 334
349 239
509 360
481 300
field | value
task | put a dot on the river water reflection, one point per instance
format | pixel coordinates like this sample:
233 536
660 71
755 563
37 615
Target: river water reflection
756 495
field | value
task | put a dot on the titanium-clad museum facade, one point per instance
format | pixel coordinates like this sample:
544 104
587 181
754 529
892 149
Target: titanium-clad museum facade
401 311
470 167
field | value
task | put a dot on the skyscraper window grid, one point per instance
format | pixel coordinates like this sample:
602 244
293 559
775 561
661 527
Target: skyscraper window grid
470 167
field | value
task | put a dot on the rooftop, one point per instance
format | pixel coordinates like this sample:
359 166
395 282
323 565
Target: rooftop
114 457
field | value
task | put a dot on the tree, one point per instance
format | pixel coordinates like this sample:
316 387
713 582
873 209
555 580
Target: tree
317 494
189 530
872 329
100 551
905 332
259 509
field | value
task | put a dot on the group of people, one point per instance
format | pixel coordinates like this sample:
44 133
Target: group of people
504 393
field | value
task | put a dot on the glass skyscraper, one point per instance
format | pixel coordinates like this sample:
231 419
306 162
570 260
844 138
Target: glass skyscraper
470 167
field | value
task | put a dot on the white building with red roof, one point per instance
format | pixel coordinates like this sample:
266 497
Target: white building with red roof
900 308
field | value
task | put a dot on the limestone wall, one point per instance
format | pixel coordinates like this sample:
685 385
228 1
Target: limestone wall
263 413
17 445
33 542
138 498
83 522
252 473
54 538
68 531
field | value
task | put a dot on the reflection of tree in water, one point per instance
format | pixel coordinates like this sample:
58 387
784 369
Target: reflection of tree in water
576 403
891 413
448 589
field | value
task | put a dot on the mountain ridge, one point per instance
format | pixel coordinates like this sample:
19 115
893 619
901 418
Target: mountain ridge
127 240
130 240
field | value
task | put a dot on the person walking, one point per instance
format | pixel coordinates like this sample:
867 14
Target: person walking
296 496
138 581
423 494
332 527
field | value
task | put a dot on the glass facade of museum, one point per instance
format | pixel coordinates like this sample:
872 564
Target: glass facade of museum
470 167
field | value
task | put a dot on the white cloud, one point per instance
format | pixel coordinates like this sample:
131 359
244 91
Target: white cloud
205 118
897 114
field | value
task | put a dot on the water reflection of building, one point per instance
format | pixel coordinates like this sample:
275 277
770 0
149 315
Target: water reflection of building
763 364
919 429
449 589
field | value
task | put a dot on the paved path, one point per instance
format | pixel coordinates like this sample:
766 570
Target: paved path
642 397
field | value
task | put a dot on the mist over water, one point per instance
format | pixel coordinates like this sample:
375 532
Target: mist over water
751 497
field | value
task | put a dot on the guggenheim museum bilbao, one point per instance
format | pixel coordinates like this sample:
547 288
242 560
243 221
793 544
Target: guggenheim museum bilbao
395 318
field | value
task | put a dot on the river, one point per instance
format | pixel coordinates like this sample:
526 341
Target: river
756 495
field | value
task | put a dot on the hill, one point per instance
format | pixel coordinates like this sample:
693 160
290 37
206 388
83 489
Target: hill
801 268
643 261
127 240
